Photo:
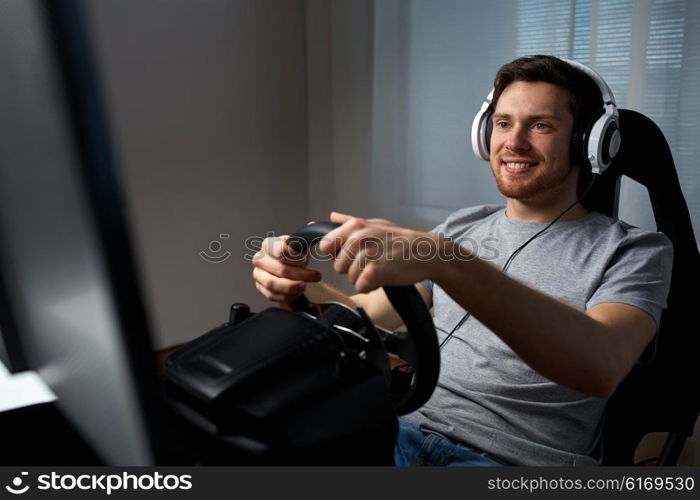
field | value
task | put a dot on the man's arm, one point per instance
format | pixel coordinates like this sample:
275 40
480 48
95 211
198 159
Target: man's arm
375 303
281 277
590 352
587 351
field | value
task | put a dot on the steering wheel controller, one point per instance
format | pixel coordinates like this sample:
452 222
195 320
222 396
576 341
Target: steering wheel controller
285 383
414 379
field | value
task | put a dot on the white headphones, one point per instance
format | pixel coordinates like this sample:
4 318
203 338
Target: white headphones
596 142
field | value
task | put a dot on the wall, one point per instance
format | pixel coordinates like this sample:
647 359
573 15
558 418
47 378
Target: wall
207 102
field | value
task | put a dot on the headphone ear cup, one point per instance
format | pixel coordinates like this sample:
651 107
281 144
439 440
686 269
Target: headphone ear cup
609 140
481 130
579 143
488 128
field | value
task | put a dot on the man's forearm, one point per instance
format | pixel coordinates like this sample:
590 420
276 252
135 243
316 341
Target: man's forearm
375 303
559 341
321 292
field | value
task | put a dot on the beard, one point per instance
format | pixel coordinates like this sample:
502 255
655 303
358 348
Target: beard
546 180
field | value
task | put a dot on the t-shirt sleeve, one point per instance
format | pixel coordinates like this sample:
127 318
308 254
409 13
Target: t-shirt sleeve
639 274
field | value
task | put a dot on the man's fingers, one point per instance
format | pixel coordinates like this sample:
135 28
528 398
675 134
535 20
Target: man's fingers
273 296
276 248
282 279
278 285
364 274
383 222
339 218
291 272
334 240
272 247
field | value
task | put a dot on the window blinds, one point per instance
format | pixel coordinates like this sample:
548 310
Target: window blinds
648 53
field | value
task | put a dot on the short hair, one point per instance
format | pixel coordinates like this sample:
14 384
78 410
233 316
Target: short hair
586 101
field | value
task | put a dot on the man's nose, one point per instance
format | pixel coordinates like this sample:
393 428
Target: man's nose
517 140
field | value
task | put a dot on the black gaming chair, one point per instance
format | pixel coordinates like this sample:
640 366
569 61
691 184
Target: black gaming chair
662 393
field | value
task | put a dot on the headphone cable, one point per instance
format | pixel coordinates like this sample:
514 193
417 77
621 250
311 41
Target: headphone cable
517 251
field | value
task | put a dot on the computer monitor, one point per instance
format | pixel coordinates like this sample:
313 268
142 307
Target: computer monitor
72 290
4 356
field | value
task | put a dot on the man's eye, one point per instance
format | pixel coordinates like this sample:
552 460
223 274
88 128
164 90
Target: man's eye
541 126
501 124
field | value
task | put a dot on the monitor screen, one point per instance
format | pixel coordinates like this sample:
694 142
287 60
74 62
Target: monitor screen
65 260
4 357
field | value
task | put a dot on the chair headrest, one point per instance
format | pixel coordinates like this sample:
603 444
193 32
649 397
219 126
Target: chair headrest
646 158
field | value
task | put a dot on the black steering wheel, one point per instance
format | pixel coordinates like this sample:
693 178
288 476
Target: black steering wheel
418 346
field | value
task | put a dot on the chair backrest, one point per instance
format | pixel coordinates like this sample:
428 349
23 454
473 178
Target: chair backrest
662 393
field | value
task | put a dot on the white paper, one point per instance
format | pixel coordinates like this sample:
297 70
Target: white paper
22 389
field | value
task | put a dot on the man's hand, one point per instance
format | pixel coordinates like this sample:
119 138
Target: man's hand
279 272
375 252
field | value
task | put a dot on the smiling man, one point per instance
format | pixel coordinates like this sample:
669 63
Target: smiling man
535 340
532 130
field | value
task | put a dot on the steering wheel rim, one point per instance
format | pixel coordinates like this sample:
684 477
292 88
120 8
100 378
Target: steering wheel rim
418 346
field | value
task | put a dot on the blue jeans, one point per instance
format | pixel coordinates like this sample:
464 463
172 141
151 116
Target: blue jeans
415 448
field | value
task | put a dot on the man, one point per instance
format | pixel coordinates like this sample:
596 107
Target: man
551 329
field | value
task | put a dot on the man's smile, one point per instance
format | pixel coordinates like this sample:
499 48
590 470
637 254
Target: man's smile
518 166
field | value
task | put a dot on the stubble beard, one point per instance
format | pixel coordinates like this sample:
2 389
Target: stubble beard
532 188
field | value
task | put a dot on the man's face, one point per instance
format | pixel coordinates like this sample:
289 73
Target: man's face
530 142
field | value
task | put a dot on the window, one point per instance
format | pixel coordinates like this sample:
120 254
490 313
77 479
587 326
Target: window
647 54
434 62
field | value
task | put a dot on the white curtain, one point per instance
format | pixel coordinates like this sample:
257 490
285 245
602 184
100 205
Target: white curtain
404 78
433 65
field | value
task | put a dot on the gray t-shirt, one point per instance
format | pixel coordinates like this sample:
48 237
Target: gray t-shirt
487 397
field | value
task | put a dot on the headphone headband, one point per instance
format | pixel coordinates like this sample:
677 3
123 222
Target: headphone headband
608 97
